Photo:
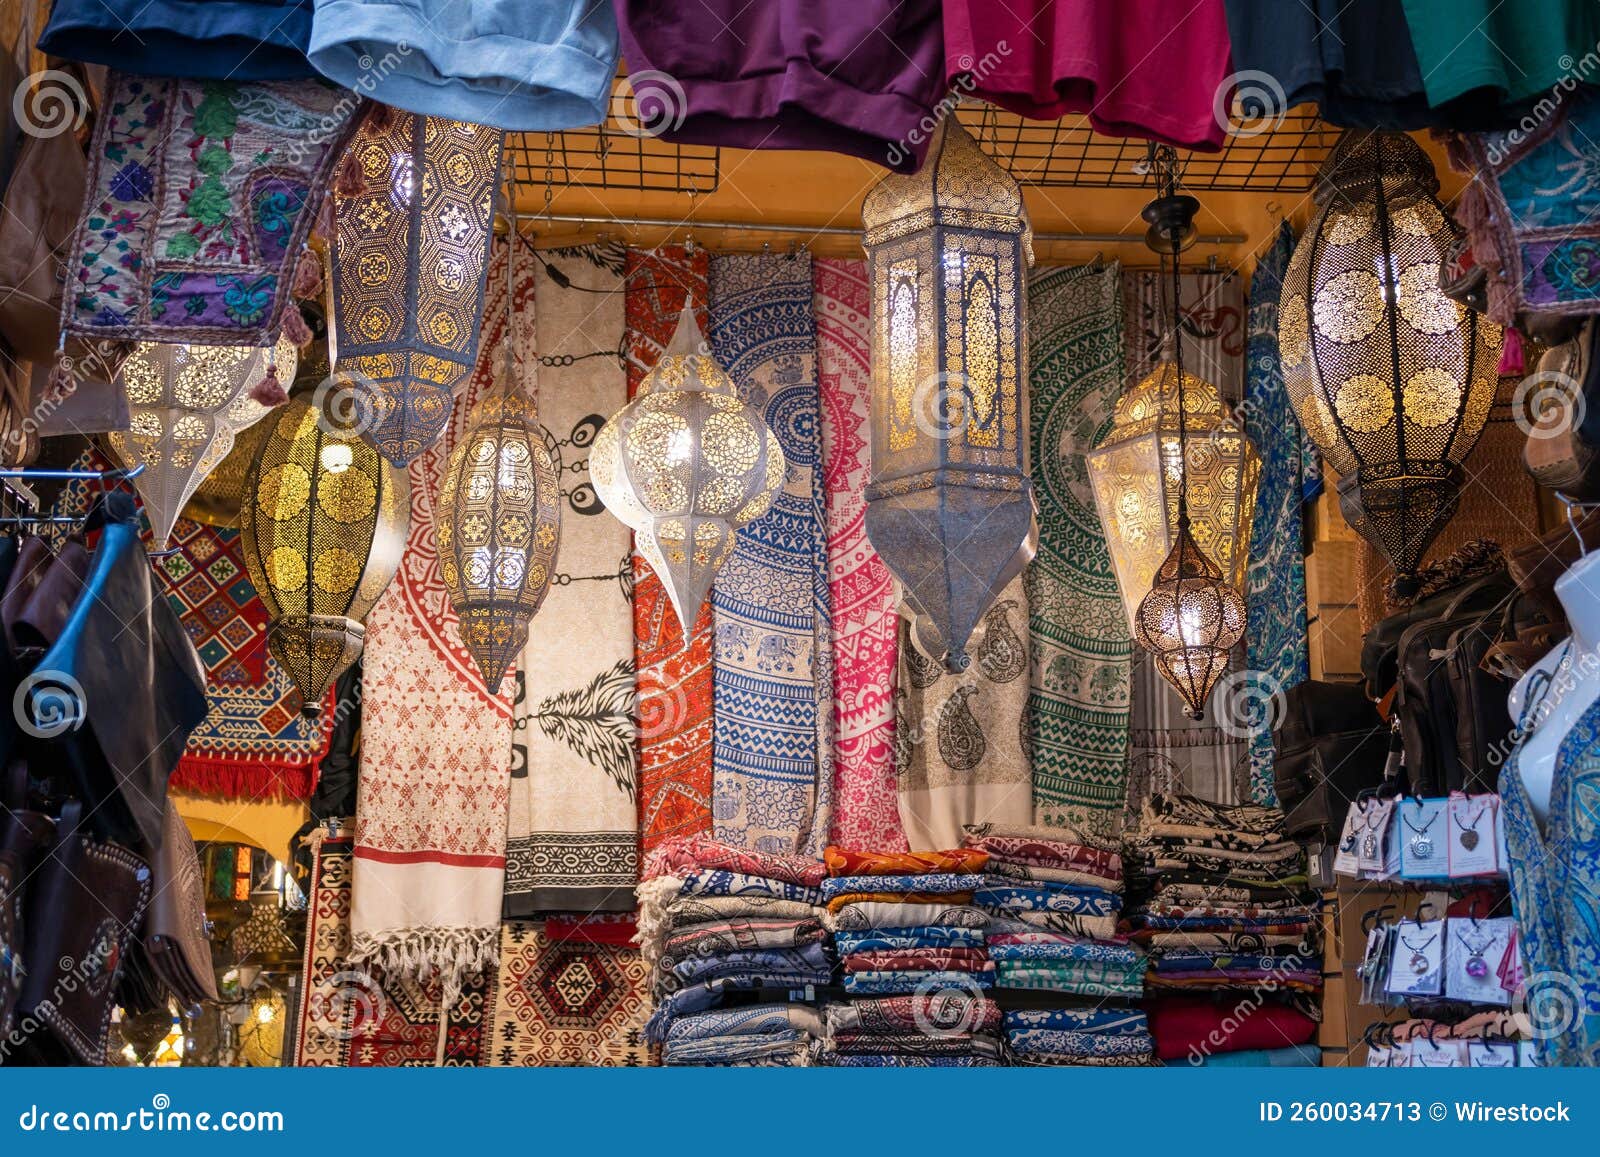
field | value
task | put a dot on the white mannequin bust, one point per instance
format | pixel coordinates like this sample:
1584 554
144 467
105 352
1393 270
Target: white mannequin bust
1573 667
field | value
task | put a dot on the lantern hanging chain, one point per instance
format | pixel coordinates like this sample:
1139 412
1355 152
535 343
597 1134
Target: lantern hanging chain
1170 183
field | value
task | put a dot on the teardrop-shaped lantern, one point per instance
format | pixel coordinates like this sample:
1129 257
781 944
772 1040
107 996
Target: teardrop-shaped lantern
1190 622
686 464
185 403
409 264
323 525
498 526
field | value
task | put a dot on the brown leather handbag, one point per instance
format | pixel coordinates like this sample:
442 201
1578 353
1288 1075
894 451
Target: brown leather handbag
175 944
1563 448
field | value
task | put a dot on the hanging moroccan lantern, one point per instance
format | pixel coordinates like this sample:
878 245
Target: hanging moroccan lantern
323 524
950 508
414 205
686 464
498 519
1391 379
1136 474
185 404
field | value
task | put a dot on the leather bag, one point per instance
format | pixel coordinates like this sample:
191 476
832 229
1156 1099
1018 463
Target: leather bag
1331 744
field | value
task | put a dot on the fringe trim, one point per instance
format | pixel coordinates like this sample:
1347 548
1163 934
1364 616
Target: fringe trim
238 777
422 953
654 896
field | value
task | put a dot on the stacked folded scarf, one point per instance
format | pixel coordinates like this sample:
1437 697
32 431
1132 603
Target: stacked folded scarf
714 921
936 1028
1079 1036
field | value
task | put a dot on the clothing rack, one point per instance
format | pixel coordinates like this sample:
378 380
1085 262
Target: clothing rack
14 483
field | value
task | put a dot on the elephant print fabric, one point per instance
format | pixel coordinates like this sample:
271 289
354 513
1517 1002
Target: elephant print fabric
961 741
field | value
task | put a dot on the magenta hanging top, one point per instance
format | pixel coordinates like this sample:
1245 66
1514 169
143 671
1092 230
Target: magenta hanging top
1139 68
860 77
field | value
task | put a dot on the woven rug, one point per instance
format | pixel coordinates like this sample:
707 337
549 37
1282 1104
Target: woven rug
961 742
568 999
435 753
200 198
673 681
573 843
772 678
1276 647
1078 679
866 811
356 1016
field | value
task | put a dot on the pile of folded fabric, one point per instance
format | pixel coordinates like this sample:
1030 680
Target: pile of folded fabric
730 937
1053 897
1222 903
1079 1036
911 945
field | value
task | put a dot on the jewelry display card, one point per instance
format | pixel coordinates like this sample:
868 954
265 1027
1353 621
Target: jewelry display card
1472 840
1421 834
1381 1058
1374 837
1445 1054
1472 956
1484 1054
1344 860
1416 966
1375 965
1528 1055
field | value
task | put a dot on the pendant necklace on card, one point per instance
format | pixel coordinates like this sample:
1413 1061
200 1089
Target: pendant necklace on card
1419 953
1421 841
1469 832
1477 966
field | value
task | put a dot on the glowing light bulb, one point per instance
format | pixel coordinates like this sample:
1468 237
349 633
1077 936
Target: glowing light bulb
336 457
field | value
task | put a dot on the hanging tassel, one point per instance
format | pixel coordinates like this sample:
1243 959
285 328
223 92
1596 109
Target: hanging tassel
1513 361
269 391
380 117
349 181
295 327
307 284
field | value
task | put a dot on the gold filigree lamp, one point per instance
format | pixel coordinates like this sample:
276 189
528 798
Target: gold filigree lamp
685 464
950 508
499 518
1391 379
323 524
414 206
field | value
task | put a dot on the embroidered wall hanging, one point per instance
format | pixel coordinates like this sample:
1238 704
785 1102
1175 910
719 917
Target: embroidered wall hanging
672 680
866 811
961 741
773 759
1078 700
201 195
573 842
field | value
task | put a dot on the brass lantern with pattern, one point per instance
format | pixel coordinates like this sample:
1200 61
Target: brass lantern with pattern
409 261
323 525
686 464
1391 379
950 508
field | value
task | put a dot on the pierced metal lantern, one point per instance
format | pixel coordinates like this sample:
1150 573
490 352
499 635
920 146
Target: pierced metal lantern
409 262
1190 622
1391 379
950 508
498 525
1136 473
685 464
323 524
185 404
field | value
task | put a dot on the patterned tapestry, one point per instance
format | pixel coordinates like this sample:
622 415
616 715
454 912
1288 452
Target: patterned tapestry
1078 679
564 998
435 752
254 743
961 741
772 677
866 811
1166 746
1275 638
573 842
357 1016
673 681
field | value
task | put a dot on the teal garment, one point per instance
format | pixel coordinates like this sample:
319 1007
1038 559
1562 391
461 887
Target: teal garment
1555 896
506 63
1294 1056
1514 51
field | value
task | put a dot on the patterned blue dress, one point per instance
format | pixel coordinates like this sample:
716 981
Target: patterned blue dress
1555 894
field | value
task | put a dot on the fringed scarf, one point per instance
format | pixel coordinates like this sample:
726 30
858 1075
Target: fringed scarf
865 811
436 749
573 842
1078 679
773 771
1276 647
673 680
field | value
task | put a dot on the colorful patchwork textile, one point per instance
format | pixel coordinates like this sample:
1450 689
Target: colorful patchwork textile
1276 648
435 752
574 832
844 862
356 1016
567 1002
773 672
201 195
865 811
1077 726
960 749
673 680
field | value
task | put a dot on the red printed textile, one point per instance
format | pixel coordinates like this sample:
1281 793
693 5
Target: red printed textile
691 853
844 862
1049 854
916 959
